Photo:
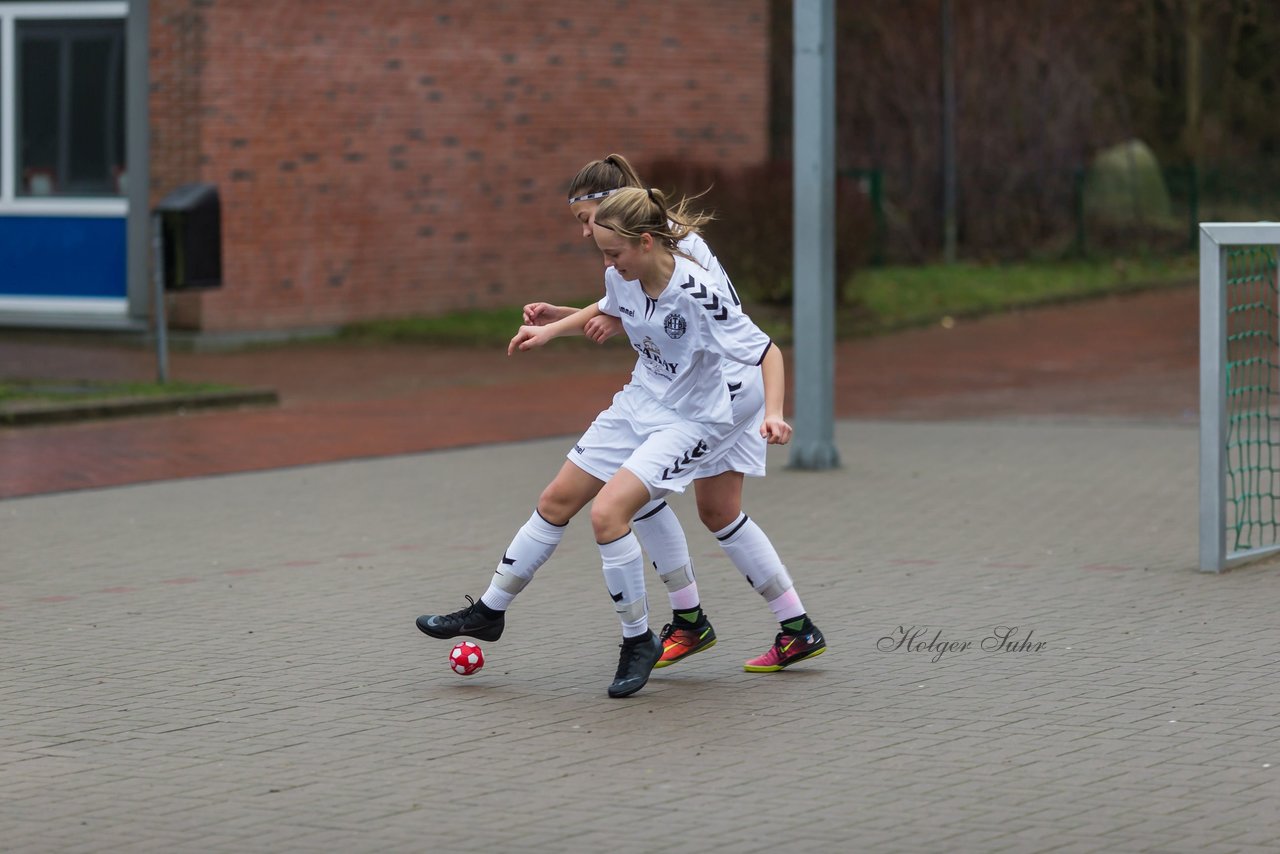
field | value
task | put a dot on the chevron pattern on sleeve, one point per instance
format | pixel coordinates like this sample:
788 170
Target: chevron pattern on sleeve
705 298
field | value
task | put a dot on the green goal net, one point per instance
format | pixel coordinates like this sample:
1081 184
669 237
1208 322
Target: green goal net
1253 430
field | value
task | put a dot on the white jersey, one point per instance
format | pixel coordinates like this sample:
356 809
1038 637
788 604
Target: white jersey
684 338
735 374
697 249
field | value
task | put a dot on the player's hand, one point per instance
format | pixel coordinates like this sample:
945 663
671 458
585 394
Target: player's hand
602 327
542 313
527 338
775 431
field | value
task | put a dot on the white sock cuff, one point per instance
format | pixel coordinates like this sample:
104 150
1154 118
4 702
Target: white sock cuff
622 551
728 531
651 509
543 531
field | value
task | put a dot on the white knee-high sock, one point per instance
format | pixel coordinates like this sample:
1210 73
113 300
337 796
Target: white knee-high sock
533 544
755 557
662 537
623 566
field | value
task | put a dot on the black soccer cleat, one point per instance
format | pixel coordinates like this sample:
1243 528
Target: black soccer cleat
635 664
469 621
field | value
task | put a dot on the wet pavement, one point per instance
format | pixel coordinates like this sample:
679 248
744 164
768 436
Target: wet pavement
1130 357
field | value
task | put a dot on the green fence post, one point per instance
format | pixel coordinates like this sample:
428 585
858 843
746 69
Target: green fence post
1079 188
877 212
1193 208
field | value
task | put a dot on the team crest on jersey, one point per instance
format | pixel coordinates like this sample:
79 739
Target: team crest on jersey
675 325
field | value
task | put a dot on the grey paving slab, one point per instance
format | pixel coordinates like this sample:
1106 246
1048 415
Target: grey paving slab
230 664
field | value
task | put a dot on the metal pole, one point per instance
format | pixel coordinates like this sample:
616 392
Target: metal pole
1213 414
948 137
813 446
137 156
157 299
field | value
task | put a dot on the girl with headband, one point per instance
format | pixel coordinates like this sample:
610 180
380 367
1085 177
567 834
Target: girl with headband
717 420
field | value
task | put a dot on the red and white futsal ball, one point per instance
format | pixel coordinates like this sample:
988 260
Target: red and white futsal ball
466 658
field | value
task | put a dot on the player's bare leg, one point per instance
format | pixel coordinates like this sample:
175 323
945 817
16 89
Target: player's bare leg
532 545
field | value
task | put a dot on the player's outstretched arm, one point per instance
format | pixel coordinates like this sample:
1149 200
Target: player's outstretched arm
542 313
774 429
536 336
599 329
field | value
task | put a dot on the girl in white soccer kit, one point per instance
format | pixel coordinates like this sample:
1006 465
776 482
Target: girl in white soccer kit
683 416
718 487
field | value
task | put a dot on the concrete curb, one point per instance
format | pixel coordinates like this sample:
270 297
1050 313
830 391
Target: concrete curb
29 414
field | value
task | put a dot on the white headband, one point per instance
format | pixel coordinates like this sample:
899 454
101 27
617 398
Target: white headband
591 196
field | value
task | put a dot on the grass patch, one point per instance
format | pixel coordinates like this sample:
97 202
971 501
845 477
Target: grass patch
896 297
482 328
886 299
466 328
52 391
877 300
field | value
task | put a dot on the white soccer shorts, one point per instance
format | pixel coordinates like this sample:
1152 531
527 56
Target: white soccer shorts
665 451
745 454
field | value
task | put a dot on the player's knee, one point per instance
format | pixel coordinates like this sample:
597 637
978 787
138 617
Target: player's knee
555 506
608 522
717 517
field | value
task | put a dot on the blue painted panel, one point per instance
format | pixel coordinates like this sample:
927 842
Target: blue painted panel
62 256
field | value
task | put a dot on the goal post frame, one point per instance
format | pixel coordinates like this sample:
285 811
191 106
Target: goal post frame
1216 238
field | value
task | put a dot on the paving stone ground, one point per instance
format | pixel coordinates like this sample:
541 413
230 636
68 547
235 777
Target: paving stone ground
230 663
207 640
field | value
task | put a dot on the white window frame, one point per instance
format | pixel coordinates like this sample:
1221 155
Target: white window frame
12 204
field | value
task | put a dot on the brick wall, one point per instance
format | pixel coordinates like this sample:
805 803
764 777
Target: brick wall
389 157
